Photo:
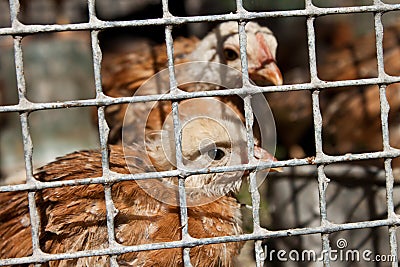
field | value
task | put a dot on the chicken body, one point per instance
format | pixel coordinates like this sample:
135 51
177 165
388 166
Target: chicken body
74 218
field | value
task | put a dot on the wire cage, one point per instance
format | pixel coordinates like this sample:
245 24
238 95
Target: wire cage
317 164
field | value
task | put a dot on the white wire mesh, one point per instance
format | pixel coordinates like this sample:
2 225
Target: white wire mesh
95 25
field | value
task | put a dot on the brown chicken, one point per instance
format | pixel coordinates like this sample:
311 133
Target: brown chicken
74 218
123 75
351 115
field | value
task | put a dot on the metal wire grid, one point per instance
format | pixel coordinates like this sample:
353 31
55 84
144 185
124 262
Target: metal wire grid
24 107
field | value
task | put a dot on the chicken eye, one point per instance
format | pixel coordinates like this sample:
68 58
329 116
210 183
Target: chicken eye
230 54
216 153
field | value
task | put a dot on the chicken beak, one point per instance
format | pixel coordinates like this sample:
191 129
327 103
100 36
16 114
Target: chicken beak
263 155
266 69
268 73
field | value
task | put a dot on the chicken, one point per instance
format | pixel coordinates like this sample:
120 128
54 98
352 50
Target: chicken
360 105
123 75
351 115
74 218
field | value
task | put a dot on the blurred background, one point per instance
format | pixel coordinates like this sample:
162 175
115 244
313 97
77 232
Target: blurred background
58 67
